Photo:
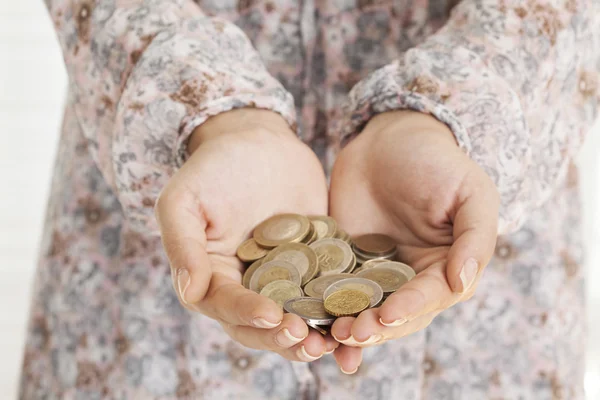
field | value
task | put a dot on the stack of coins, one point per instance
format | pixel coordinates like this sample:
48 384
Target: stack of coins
314 269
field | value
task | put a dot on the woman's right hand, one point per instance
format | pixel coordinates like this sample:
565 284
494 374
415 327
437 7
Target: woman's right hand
245 166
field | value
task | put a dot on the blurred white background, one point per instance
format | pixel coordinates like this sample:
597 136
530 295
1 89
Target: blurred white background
32 89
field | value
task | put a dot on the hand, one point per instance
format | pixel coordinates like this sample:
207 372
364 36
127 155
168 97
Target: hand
245 166
405 176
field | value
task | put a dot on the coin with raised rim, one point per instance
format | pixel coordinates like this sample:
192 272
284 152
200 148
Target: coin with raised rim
401 267
316 287
367 286
274 271
300 255
335 256
390 279
310 310
374 244
346 303
250 271
372 263
326 227
282 228
250 251
281 291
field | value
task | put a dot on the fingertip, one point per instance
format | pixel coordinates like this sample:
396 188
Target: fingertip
348 359
342 328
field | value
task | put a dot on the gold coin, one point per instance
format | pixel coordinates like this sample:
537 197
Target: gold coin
274 271
389 279
326 227
374 244
300 255
281 291
250 271
316 287
346 303
343 235
334 255
250 251
367 286
310 310
282 228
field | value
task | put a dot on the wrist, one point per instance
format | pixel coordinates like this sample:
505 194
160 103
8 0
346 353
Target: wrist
408 122
237 120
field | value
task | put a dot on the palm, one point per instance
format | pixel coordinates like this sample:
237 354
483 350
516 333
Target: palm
417 186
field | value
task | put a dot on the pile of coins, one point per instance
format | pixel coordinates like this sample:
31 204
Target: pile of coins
314 269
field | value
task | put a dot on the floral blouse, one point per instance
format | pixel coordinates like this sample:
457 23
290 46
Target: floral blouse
516 81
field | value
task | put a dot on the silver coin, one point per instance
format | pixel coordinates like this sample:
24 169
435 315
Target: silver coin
367 286
390 279
316 327
274 271
310 310
335 256
316 287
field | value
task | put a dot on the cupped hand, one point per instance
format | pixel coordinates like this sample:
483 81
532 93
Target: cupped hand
405 176
245 166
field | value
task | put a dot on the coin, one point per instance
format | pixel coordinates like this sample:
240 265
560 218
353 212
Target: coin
310 310
388 278
316 327
374 244
343 235
250 271
300 255
335 256
372 263
346 303
316 287
274 271
282 228
281 291
326 227
367 286
400 267
250 251
312 235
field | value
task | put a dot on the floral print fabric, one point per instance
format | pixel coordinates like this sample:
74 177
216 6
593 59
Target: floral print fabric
517 81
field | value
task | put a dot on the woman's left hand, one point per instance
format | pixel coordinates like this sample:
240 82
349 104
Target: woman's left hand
405 176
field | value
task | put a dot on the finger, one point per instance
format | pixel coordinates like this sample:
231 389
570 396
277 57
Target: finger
330 344
182 225
228 301
382 333
348 358
475 228
426 292
289 333
341 330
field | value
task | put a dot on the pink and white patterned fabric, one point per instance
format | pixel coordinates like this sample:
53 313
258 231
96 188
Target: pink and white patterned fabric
517 81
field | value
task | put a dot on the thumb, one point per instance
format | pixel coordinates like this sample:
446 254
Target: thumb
475 228
182 224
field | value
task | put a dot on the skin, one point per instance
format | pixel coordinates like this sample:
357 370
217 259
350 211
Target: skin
404 176
245 165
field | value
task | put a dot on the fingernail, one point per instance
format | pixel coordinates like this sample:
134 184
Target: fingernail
468 274
338 339
330 351
264 324
285 339
371 340
398 322
183 282
350 372
349 342
304 356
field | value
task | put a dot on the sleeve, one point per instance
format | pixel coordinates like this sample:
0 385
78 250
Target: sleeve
143 74
517 83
